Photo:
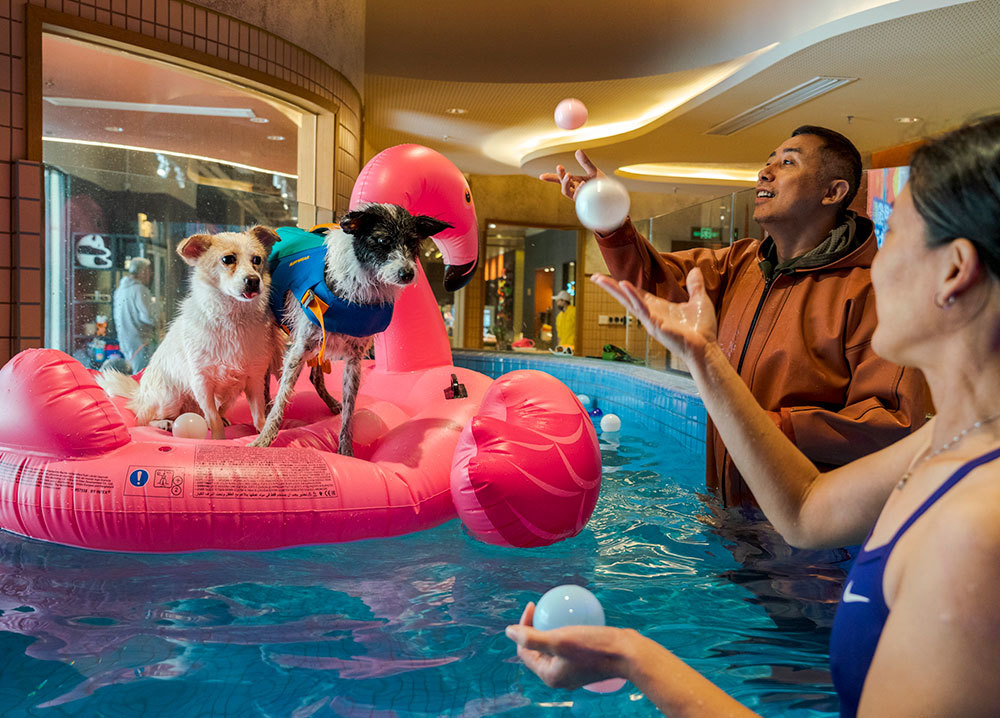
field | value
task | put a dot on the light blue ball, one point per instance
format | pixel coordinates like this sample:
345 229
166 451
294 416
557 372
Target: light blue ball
584 399
567 605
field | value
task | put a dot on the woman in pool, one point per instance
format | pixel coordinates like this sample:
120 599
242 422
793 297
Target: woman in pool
917 631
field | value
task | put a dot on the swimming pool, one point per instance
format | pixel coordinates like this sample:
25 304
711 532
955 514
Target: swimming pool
413 626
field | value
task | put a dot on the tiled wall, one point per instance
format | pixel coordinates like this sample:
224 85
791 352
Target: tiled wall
595 335
645 399
197 33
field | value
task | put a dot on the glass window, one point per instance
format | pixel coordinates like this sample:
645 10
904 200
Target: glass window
526 269
608 331
134 166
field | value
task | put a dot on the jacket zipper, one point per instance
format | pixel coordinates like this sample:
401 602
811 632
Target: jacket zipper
724 479
760 305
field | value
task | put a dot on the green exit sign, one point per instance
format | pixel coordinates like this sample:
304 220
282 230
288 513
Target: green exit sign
705 233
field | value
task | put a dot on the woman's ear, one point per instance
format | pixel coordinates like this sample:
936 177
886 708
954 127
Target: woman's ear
963 269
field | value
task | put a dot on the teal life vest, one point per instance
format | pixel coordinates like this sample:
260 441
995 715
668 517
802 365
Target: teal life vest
298 265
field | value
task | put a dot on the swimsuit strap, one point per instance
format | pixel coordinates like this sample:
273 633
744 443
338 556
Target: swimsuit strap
960 474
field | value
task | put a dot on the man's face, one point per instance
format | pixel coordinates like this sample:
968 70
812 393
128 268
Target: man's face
561 304
145 274
790 184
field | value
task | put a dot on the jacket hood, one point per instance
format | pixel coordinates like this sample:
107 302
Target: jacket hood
850 244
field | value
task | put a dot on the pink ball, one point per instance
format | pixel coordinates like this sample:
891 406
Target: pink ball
571 114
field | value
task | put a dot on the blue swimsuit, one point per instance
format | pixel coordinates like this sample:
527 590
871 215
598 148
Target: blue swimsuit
862 612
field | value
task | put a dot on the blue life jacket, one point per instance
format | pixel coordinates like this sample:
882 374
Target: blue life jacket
298 265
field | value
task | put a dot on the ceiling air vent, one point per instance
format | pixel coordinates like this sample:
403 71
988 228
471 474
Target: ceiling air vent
779 103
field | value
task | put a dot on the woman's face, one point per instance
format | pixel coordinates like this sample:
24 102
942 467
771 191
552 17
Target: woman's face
903 276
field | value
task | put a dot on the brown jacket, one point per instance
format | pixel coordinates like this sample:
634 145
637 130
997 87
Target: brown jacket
801 342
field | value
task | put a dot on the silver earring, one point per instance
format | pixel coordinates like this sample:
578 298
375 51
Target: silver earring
946 303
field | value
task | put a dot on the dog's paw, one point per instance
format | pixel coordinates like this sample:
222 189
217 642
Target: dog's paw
346 449
165 424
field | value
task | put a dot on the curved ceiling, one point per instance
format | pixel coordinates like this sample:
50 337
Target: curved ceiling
583 41
682 67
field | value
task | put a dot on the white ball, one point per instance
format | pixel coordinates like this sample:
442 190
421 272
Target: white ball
602 204
567 605
190 426
610 422
583 399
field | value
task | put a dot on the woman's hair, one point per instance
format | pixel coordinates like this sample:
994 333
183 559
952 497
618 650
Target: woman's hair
955 185
137 264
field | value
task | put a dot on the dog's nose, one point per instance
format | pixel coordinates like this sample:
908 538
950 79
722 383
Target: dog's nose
405 275
251 284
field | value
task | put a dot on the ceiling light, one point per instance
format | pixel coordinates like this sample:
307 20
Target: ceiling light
109 128
780 103
492 226
516 146
680 171
276 138
456 111
907 120
93 104
260 120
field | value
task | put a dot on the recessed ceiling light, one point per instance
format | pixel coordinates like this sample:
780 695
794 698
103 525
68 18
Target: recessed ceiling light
907 120
276 138
114 129
492 226
445 137
260 120
456 110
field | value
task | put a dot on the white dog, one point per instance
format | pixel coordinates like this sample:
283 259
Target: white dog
222 342
335 292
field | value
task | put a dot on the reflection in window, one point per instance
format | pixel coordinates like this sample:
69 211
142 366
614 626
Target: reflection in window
134 166
525 270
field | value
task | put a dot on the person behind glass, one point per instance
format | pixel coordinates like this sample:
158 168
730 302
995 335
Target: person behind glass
917 632
135 315
565 320
795 310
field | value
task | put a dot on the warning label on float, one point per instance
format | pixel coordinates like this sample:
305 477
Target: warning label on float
238 472
155 481
54 480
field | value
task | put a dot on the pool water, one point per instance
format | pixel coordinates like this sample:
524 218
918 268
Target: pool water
414 626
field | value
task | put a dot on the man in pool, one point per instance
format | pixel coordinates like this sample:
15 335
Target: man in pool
795 311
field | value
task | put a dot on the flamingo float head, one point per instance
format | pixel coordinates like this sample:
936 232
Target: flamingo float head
424 181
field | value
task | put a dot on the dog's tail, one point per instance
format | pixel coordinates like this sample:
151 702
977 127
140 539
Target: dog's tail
115 383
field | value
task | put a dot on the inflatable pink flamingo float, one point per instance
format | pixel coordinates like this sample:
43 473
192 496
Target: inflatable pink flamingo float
517 458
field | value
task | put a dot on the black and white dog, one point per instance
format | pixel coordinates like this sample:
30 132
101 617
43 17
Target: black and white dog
334 293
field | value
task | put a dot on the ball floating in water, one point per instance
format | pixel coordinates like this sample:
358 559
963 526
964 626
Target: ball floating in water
584 399
190 426
611 422
570 114
571 605
602 204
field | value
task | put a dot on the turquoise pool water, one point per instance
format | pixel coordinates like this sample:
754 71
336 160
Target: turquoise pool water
413 626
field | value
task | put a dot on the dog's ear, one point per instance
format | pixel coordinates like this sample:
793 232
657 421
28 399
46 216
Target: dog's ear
193 247
265 235
358 222
429 226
